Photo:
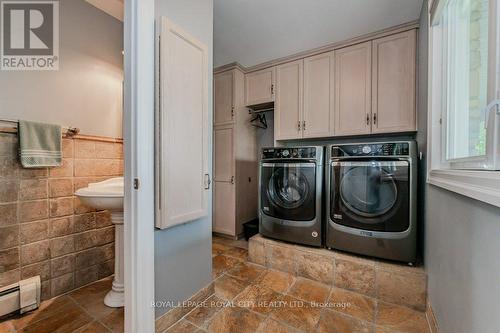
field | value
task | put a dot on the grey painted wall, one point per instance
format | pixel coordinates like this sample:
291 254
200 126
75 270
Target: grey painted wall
183 255
462 242
86 91
462 262
265 137
372 138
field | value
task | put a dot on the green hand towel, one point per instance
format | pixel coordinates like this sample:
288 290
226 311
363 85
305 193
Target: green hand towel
39 144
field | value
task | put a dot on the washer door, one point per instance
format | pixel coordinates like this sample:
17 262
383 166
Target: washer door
368 191
370 195
288 190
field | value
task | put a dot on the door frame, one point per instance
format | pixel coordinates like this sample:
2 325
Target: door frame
138 132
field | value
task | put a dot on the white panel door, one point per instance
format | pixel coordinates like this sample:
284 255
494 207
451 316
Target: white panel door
183 128
318 96
288 105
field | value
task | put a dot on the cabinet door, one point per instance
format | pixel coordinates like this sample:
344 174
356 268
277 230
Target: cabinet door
224 189
182 132
353 89
288 105
393 94
223 98
318 96
224 209
223 154
259 86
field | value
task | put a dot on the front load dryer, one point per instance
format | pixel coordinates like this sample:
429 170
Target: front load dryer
371 199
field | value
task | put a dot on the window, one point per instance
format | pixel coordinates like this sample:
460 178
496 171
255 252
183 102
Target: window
464 93
467 48
465 29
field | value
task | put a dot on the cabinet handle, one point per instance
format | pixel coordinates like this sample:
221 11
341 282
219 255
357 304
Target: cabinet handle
272 89
232 179
374 119
303 125
232 112
298 126
367 119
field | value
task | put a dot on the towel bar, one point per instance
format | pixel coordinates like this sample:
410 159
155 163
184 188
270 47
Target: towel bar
67 131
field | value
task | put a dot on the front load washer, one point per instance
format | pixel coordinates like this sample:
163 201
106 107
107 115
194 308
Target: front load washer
290 195
371 199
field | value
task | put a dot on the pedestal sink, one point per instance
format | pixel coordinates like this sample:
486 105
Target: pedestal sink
108 195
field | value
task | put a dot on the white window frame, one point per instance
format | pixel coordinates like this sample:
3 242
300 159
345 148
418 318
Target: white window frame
476 177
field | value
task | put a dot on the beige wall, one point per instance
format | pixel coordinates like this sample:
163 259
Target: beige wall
44 229
86 91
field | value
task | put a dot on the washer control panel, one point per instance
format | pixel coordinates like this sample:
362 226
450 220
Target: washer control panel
372 149
366 149
299 152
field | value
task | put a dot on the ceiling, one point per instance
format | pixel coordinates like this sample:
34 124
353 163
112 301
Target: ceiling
111 7
254 31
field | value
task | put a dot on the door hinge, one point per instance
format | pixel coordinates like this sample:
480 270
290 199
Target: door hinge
207 182
136 183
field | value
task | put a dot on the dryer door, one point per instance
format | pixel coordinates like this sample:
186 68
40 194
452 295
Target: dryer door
370 195
288 191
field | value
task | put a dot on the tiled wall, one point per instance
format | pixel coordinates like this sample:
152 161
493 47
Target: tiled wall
44 229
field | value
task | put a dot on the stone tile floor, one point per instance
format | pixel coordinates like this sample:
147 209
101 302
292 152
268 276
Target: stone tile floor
81 311
250 298
247 298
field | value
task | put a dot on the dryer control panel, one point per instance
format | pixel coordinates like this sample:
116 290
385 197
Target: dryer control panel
372 149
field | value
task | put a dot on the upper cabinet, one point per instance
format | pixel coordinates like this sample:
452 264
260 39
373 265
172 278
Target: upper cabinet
353 90
288 105
393 89
317 119
259 86
304 98
375 86
360 89
223 98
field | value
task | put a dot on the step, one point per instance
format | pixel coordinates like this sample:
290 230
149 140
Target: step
383 280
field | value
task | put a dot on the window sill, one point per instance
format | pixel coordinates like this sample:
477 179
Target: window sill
480 185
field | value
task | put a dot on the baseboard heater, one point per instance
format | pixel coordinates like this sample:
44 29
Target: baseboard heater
23 296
